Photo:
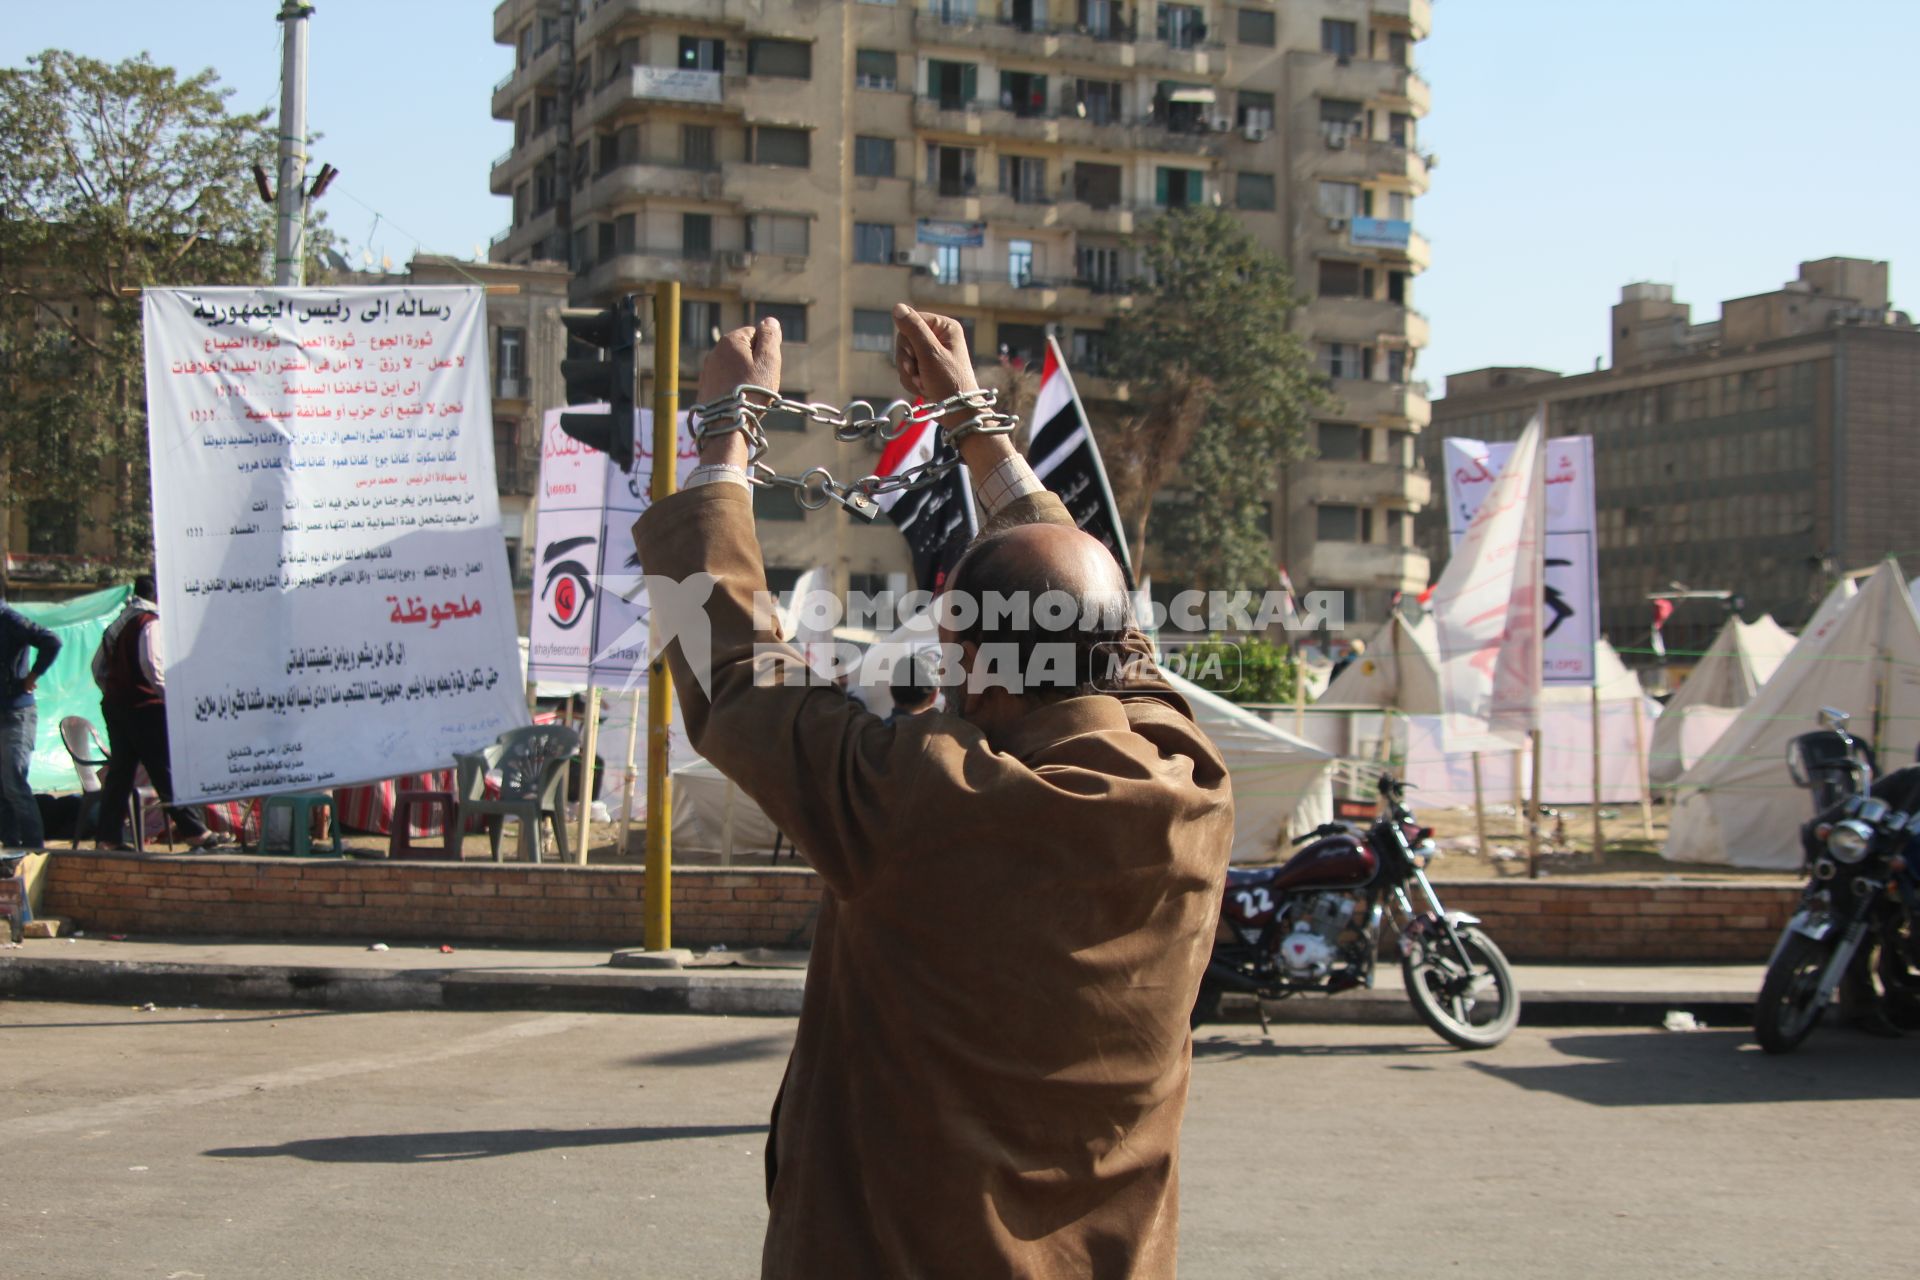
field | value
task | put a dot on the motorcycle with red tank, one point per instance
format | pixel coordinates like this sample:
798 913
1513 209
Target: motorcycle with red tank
1313 925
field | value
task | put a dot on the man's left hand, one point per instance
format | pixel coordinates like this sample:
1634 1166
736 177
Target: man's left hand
27 685
748 356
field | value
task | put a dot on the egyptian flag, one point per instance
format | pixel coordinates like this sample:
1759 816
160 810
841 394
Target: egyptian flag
938 521
1066 459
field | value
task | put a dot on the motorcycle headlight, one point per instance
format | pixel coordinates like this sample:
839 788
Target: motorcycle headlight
1848 842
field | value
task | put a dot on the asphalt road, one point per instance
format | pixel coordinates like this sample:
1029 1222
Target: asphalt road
202 1145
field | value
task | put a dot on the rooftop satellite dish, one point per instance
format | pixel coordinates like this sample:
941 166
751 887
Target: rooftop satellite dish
366 257
386 262
479 252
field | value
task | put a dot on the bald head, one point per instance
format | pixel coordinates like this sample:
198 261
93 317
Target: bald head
1046 596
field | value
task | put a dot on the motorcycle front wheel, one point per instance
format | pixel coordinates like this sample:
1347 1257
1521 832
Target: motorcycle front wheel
1475 1007
1786 1010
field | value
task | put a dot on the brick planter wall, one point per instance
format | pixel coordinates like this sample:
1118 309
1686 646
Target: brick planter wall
424 901
1538 921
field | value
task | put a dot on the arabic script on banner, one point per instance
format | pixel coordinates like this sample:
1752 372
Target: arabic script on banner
335 605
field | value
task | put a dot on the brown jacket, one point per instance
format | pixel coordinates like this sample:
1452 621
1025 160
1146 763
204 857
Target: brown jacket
992 1058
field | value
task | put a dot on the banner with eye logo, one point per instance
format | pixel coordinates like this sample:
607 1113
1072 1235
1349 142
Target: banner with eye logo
589 600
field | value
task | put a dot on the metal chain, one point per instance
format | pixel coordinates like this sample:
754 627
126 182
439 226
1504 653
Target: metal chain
747 407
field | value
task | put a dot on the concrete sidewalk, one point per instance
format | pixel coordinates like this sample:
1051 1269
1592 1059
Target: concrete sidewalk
218 972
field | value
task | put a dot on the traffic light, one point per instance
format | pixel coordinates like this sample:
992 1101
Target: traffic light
599 367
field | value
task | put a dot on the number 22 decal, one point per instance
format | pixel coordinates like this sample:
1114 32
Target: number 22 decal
1254 902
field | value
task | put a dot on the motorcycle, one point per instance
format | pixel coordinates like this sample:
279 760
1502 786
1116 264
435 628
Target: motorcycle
1312 926
1860 895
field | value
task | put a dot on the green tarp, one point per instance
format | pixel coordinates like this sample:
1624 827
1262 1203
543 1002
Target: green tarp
68 689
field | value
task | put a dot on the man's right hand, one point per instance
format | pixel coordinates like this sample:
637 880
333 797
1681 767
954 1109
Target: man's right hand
931 353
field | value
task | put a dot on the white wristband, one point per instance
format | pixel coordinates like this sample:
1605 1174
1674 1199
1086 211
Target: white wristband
717 473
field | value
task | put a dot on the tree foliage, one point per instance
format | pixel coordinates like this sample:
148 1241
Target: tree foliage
112 177
1253 669
1225 391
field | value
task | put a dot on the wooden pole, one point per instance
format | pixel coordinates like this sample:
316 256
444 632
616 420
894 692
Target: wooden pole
589 745
1640 758
1599 835
626 790
666 453
1480 810
1299 695
1533 811
1519 790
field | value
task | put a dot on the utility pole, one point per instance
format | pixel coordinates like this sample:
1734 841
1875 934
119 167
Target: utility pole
290 227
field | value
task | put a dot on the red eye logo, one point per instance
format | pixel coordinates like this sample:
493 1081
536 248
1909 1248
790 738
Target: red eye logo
567 591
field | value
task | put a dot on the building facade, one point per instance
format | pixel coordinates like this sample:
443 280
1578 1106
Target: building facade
990 159
1759 454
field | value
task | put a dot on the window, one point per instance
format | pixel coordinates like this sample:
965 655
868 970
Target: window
776 504
953 84
786 419
1342 442
873 242
1020 263
1097 100
1023 344
582 162
510 363
1253 108
1340 199
1182 26
1400 448
951 170
580 249
1339 37
1398 364
1089 350
946 267
53 528
1399 49
1397 287
791 315
699 325
1099 268
873 157
1257 27
1341 120
608 157
1096 18
1400 129
778 233
623 233
696 236
872 330
1343 280
1097 184
1399 206
1023 92
1024 178
790 58
1178 188
699 53
1339 524
780 146
697 149
1340 360
604 242
1254 191
876 69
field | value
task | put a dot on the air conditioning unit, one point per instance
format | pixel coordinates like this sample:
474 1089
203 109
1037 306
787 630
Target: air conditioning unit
1337 141
1220 124
1254 133
737 259
1336 224
903 257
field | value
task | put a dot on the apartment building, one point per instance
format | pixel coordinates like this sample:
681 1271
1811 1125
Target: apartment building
1761 453
991 159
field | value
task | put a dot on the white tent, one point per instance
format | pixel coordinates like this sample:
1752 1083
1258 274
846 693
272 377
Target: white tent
1280 784
1730 672
1399 670
1738 805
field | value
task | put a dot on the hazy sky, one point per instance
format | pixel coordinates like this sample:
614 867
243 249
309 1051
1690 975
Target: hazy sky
1710 144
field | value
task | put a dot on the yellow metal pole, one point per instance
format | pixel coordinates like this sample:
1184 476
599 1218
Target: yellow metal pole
589 750
666 455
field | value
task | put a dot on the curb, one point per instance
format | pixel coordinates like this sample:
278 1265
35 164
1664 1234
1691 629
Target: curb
729 992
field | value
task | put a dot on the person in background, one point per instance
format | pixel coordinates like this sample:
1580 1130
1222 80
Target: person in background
912 690
133 691
19 722
1354 651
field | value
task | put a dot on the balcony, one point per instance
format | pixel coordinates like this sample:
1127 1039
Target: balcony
997 290
1363 484
1335 155
1380 241
516 163
1383 83
517 240
635 267
1365 321
509 14
1385 403
708 13
1367 564
644 180
544 67
1114 44
1415 17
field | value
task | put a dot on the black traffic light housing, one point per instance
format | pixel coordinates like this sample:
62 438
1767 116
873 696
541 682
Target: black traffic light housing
599 366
